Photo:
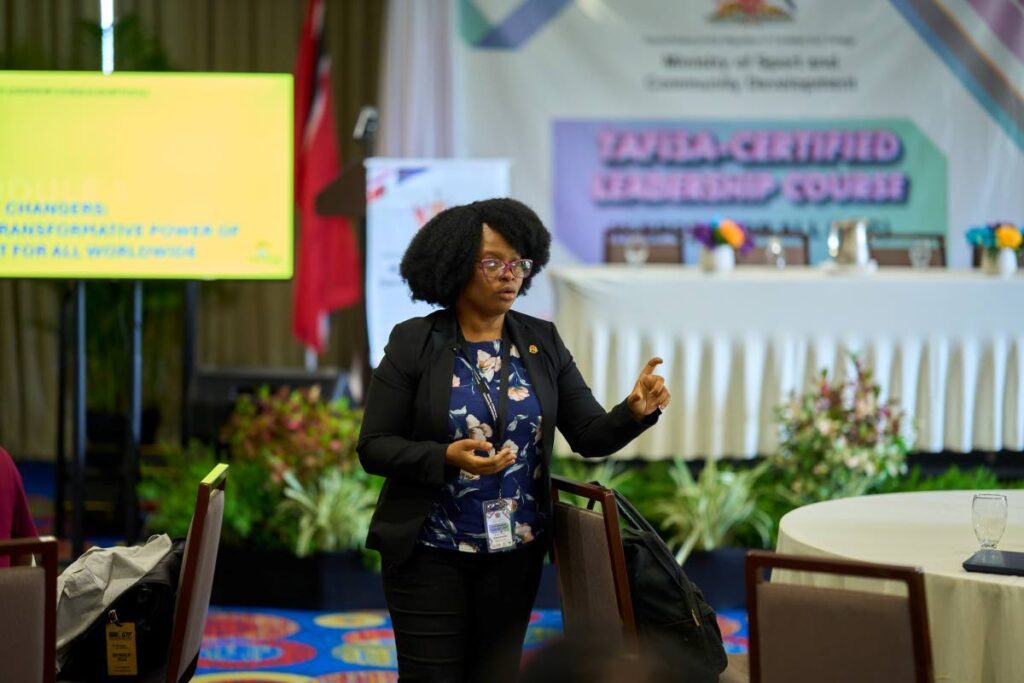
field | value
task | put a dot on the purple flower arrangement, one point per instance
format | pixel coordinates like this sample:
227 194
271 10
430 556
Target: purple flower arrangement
723 231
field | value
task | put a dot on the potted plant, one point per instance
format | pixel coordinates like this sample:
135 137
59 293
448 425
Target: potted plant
703 516
838 440
721 239
1000 244
298 504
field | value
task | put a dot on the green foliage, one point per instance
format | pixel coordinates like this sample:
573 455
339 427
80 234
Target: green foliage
294 430
953 479
294 482
169 491
608 473
838 440
333 512
708 512
644 483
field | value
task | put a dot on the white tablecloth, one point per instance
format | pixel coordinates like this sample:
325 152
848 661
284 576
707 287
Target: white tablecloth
976 620
948 345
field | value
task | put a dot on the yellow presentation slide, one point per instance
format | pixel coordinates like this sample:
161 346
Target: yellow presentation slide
146 175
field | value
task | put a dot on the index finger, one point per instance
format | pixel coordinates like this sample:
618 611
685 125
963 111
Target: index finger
651 364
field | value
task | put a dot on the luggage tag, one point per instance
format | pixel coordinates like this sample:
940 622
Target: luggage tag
498 523
122 659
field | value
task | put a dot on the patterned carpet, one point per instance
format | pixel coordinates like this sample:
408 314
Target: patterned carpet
290 646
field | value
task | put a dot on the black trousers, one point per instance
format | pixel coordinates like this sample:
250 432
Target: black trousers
461 617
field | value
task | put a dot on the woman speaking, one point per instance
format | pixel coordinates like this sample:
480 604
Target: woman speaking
460 418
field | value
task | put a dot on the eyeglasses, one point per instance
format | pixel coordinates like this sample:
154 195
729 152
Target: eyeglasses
494 268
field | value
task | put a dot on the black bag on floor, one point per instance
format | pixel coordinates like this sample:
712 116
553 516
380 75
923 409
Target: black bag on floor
149 604
670 610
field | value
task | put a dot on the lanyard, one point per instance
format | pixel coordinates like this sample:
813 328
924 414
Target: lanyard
497 412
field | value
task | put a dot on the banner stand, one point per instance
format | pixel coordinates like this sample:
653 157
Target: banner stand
78 428
188 357
133 448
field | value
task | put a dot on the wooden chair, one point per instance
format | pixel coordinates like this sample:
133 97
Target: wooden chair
796 248
591 565
28 597
196 580
664 244
801 633
894 249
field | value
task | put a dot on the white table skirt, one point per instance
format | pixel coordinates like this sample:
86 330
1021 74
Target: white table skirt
947 345
976 621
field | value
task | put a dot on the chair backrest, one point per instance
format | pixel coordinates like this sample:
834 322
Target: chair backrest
28 596
894 250
796 248
196 580
803 633
590 563
664 244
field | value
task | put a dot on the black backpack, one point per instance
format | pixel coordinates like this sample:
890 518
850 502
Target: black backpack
149 604
670 611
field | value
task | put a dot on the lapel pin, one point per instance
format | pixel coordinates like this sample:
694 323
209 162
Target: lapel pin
533 348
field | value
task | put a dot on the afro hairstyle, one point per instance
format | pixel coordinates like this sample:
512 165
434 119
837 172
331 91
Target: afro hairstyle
439 261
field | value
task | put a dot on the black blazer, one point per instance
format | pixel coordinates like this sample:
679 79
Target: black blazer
404 433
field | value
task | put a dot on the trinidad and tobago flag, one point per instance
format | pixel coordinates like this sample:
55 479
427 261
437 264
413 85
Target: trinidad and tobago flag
328 274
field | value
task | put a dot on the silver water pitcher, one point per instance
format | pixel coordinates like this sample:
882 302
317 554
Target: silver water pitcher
848 241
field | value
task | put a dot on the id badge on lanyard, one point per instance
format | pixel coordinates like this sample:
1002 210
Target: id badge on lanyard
499 514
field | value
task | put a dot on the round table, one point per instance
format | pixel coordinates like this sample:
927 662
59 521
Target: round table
976 620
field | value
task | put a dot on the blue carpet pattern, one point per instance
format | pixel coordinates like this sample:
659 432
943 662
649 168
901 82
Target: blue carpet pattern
291 646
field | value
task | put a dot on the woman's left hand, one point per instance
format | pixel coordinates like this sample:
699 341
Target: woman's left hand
649 392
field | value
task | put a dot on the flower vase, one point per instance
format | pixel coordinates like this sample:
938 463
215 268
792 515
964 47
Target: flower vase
719 259
1002 262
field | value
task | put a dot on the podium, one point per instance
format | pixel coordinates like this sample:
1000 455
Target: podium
346 194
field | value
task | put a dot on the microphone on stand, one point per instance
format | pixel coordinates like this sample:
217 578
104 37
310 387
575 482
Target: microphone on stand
365 131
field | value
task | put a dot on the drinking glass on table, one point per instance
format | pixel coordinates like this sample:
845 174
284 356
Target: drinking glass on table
988 512
920 252
774 253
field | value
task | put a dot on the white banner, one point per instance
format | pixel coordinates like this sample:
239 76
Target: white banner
573 90
402 195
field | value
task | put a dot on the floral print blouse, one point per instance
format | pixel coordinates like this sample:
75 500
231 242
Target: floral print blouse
456 521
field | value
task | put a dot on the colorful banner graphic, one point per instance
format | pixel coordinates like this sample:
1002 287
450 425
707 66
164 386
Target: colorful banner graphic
801 175
775 112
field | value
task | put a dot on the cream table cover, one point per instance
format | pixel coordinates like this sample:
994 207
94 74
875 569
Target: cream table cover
947 345
976 620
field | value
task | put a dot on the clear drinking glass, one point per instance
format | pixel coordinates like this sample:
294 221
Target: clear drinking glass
920 252
988 513
635 250
774 253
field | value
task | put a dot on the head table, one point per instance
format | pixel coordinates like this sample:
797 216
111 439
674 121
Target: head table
976 620
947 345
